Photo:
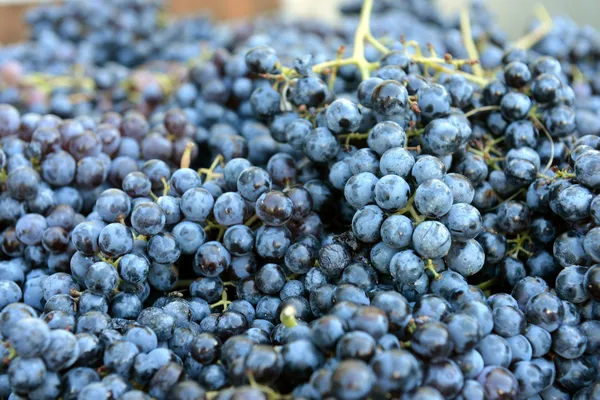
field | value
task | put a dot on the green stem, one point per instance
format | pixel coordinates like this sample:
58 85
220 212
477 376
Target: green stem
223 302
354 136
414 132
412 325
288 317
251 220
487 284
358 54
376 43
478 110
541 126
519 242
465 27
517 194
321 67
530 39
431 268
183 283
333 75
209 172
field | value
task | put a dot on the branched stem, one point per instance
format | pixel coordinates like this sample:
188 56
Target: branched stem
376 43
410 209
108 260
209 172
484 150
562 174
363 32
224 302
214 226
519 245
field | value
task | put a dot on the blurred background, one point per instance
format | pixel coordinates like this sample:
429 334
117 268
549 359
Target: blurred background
582 11
12 27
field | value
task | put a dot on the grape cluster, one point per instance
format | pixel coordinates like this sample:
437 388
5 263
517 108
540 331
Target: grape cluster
85 57
127 32
296 220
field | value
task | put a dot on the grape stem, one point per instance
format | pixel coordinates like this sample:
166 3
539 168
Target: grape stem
562 174
339 56
251 220
354 136
411 326
11 354
519 241
431 268
465 27
533 37
141 237
225 302
166 186
481 109
288 317
209 172
270 393
108 260
211 226
437 63
409 208
187 155
414 132
517 194
541 126
363 32
183 284
487 284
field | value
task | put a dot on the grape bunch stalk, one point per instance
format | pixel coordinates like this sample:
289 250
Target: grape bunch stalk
407 207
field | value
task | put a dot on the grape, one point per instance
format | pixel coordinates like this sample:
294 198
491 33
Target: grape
289 212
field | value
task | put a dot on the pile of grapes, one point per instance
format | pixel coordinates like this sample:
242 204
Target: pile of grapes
401 207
